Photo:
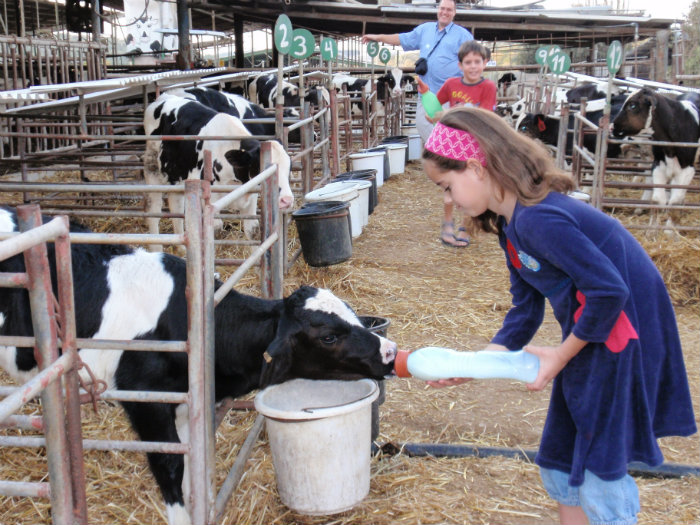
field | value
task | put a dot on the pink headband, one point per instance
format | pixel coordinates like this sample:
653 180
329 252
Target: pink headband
454 144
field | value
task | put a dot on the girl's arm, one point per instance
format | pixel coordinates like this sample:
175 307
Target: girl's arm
553 359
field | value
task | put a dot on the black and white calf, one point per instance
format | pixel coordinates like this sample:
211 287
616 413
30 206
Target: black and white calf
238 106
395 80
125 294
546 128
171 162
263 90
668 120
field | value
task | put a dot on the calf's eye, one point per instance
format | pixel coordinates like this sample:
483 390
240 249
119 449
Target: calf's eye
329 339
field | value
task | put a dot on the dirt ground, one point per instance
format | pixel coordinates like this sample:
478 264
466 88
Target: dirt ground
454 297
432 295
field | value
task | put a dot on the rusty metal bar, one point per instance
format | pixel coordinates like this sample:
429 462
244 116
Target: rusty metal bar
44 326
200 405
19 396
73 430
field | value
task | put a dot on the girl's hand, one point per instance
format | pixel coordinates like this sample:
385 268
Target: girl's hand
453 381
551 363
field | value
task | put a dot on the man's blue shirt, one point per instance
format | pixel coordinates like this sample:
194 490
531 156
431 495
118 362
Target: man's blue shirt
443 63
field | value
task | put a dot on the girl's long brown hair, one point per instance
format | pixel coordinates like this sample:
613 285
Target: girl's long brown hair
516 162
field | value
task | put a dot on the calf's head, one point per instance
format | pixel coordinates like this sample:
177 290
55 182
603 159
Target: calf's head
320 337
636 114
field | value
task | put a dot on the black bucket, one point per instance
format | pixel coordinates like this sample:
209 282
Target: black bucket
370 175
387 167
324 232
397 139
379 326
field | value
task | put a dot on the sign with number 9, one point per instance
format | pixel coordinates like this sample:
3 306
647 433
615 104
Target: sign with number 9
384 55
303 44
614 57
541 55
373 49
283 34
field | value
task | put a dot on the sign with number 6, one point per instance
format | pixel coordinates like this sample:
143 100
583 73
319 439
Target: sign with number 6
384 56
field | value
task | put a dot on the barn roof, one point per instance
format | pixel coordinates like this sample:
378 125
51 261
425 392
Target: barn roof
352 17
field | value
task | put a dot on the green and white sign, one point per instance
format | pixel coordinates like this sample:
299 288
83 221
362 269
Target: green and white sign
544 53
614 57
384 55
559 63
373 49
303 44
283 34
329 49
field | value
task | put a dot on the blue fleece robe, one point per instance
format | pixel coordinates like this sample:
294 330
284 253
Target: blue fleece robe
628 386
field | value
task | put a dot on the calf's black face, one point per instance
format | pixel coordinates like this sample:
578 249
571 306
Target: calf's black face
635 114
320 337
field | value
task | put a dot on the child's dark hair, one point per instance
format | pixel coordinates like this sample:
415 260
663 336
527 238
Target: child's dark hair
472 46
516 162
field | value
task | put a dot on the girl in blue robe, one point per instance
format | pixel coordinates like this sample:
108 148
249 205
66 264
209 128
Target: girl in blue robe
619 380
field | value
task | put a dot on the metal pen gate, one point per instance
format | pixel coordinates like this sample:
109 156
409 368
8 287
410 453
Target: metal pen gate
67 481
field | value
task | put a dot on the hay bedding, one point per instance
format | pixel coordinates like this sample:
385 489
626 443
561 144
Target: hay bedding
432 295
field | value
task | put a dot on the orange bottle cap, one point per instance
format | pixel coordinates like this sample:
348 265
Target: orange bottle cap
401 363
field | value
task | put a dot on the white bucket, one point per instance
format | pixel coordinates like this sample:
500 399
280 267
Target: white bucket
415 147
408 128
397 158
339 191
369 160
319 433
363 188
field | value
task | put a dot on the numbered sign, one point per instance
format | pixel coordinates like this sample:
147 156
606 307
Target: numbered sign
614 57
559 63
373 49
329 49
544 53
384 56
283 34
303 44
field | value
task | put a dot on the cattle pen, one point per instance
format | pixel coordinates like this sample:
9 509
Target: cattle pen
72 143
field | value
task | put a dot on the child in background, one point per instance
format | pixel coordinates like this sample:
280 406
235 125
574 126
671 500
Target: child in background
471 89
619 380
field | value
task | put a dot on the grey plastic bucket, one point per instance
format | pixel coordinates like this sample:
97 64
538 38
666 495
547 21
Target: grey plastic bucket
368 174
398 139
379 326
387 167
324 232
319 433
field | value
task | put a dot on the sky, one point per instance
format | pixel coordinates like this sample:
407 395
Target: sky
656 8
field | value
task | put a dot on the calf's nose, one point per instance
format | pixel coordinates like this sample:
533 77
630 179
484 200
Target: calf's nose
286 202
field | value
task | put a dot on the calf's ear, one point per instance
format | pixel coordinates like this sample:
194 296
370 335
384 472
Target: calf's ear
540 123
279 354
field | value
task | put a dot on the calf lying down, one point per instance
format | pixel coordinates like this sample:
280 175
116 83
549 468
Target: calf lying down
123 293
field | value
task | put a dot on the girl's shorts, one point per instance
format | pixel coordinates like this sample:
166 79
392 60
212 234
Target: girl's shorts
604 502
